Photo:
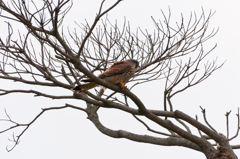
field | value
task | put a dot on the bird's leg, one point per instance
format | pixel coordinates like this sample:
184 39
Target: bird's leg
123 85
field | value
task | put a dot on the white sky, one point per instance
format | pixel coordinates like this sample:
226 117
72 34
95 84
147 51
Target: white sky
68 134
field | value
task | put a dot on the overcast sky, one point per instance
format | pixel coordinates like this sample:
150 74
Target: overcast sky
68 134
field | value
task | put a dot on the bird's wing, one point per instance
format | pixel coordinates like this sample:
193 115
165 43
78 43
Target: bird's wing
85 87
115 69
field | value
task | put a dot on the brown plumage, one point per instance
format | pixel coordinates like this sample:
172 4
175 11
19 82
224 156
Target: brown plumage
118 73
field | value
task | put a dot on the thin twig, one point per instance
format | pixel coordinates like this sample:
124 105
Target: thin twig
227 123
205 119
238 127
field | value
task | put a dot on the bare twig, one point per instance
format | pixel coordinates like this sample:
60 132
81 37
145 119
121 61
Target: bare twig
238 127
16 139
205 119
200 133
99 15
227 123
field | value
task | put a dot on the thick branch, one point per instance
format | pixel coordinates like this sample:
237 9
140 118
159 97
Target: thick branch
171 141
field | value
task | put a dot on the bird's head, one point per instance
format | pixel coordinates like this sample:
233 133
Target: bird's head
135 63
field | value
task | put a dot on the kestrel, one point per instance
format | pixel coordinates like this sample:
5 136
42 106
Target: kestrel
118 73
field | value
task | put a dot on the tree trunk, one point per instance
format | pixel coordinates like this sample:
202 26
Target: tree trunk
221 153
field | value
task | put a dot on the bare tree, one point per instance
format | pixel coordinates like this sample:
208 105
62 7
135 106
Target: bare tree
172 53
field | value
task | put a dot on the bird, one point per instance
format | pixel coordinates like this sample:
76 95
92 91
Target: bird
118 73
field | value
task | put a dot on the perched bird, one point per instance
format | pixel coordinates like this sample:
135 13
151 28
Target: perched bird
118 73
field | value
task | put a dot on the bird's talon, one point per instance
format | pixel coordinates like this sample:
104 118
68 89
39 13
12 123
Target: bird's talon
123 86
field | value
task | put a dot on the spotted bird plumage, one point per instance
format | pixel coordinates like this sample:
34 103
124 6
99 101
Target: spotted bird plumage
118 73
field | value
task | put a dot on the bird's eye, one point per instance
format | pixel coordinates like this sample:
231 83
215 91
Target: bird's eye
137 64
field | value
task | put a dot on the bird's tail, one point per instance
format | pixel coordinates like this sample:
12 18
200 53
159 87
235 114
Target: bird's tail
85 87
